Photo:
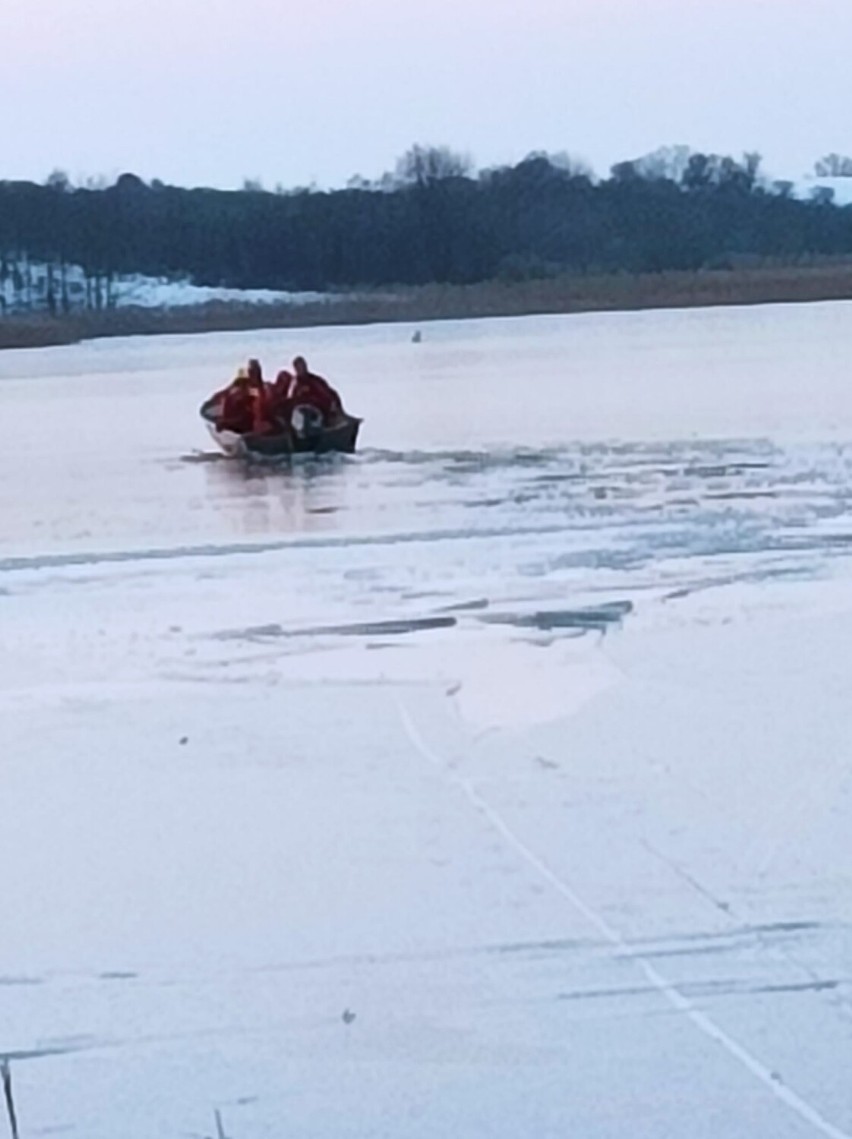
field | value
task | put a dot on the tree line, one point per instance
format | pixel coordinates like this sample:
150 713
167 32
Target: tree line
434 220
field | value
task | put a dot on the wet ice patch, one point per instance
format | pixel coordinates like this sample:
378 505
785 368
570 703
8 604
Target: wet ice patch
591 619
396 628
511 686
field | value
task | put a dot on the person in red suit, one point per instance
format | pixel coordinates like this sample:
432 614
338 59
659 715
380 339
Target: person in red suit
311 389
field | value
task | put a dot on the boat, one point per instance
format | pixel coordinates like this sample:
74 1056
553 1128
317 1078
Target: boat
308 437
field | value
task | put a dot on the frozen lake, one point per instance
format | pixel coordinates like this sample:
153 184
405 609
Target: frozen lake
496 781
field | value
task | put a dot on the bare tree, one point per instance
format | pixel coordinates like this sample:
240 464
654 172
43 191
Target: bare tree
834 166
666 162
59 181
425 165
562 160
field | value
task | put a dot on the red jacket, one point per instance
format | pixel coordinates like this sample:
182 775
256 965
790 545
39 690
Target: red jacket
244 410
237 412
318 393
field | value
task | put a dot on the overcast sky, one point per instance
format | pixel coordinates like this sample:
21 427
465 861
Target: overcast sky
214 91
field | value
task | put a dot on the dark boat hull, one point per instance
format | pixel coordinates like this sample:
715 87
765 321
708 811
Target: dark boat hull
342 438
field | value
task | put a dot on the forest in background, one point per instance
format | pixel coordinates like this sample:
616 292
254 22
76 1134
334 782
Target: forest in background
434 221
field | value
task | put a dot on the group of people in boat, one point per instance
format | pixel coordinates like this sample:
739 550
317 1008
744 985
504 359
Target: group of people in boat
296 400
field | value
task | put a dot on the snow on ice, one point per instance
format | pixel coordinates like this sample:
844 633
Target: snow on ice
493 782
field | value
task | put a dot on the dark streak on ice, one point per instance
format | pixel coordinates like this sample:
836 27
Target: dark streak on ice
467 606
174 553
699 989
598 619
359 629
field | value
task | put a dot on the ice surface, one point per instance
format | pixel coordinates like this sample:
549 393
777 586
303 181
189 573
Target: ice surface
523 736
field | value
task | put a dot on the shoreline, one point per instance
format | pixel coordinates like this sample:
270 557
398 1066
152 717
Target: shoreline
800 284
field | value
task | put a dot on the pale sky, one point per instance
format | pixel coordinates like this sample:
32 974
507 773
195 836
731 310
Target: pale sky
209 92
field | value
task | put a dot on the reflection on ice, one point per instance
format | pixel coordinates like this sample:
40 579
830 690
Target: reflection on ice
266 500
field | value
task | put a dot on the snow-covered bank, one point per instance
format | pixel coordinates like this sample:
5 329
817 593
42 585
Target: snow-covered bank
168 308
32 286
153 292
